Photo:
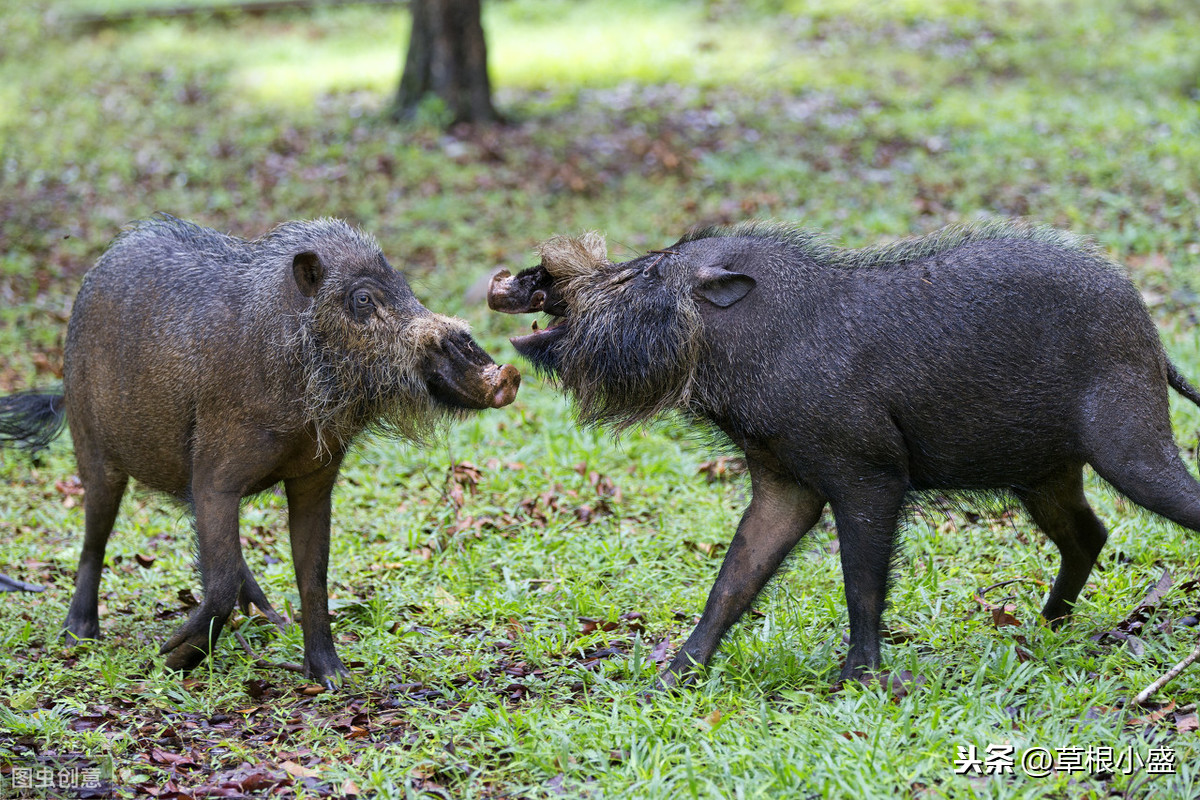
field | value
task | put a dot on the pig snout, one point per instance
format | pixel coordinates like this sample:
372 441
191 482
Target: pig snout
532 290
462 375
505 380
502 294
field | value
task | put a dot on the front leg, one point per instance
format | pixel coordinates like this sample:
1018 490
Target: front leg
866 516
309 509
781 511
221 570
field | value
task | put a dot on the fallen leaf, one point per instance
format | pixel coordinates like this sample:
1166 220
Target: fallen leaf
1151 718
297 771
590 625
1002 617
708 549
174 759
467 475
255 781
71 487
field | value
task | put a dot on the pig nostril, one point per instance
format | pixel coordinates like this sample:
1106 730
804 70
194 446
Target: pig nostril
508 381
496 292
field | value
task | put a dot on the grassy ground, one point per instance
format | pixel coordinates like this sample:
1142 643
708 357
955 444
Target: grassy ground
504 616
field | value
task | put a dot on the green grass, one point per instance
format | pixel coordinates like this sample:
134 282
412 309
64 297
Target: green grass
504 651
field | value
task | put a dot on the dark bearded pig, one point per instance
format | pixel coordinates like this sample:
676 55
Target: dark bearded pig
213 368
999 356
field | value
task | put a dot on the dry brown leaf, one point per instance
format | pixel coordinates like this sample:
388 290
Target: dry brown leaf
708 549
1002 617
1151 718
722 468
298 771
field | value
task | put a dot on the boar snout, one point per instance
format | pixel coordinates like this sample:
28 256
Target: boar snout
461 375
505 380
532 290
503 296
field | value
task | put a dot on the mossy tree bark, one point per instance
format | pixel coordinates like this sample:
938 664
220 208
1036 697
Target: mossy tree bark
447 57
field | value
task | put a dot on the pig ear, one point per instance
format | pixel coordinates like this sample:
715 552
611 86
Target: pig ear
309 271
722 287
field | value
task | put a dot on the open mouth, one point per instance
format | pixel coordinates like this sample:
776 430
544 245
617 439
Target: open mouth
541 336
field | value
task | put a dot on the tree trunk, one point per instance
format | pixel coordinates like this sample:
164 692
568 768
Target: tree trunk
447 57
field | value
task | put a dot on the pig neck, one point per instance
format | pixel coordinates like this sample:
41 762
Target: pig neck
272 376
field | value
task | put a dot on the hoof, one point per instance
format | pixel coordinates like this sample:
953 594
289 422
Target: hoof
194 640
332 675
76 631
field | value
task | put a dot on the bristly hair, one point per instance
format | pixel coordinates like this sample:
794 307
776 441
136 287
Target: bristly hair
818 246
352 390
620 374
916 248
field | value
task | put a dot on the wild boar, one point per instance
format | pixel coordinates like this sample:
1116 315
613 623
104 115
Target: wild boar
213 368
999 356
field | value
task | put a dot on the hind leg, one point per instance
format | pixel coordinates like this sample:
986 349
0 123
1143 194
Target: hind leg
251 593
1059 507
103 490
8 584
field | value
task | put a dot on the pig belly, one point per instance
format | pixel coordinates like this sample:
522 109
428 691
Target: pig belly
966 460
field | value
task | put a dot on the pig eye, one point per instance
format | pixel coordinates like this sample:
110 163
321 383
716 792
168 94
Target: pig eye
362 300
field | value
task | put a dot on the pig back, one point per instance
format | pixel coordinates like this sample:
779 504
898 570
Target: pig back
975 364
160 334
